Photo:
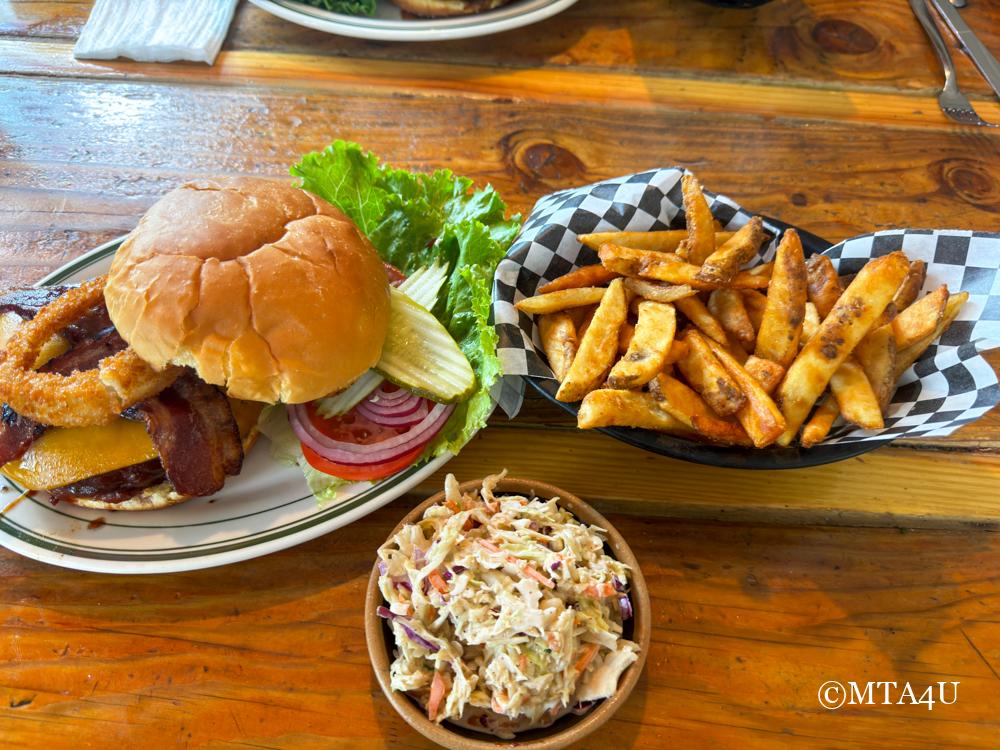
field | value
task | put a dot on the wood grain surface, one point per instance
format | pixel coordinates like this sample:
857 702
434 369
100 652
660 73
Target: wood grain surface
749 622
765 584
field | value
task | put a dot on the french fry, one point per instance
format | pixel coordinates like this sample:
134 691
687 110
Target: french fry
781 327
823 284
615 408
907 293
585 318
855 397
762 269
876 353
728 308
765 372
760 416
754 302
855 311
610 333
561 300
810 323
595 275
700 242
663 267
598 346
723 264
687 406
740 354
559 341
707 376
909 355
658 292
625 336
818 426
695 311
920 319
666 241
678 350
647 352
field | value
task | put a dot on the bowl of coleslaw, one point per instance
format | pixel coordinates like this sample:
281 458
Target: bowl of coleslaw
506 611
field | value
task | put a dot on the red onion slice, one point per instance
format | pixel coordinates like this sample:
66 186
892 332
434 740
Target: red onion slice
354 454
406 406
395 420
625 605
381 394
400 408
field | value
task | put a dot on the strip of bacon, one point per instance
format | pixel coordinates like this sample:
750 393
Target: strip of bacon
192 427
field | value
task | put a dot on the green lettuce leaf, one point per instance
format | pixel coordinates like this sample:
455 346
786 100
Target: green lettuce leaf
414 219
350 7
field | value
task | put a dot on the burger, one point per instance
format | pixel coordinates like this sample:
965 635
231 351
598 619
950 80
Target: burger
346 319
142 389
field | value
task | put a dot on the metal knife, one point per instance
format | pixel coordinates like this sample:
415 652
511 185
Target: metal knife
970 44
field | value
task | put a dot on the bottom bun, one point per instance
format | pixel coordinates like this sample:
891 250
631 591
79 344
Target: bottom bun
436 8
151 498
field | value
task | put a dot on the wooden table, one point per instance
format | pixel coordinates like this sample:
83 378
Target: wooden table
765 584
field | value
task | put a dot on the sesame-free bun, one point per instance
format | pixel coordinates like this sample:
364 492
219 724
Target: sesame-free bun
264 289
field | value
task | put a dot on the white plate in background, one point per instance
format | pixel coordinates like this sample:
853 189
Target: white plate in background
389 25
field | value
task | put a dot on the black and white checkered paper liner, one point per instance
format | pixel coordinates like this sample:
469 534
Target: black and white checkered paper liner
949 386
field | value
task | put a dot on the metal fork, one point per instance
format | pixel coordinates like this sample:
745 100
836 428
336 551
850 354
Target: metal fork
952 101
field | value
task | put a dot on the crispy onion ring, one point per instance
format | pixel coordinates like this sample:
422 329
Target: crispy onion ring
90 397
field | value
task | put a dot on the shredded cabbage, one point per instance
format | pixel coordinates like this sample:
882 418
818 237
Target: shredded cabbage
512 601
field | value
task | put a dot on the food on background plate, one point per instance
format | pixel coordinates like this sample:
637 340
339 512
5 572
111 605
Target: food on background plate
426 8
428 391
762 345
348 7
506 611
439 8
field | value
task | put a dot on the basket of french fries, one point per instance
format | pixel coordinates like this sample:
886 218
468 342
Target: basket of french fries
677 321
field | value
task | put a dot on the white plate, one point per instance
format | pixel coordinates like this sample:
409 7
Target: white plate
266 508
389 25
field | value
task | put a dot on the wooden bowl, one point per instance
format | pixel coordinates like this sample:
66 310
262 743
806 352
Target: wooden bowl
569 728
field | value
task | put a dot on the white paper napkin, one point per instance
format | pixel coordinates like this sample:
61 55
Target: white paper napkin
156 30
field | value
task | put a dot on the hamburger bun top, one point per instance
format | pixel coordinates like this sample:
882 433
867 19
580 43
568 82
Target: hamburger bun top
262 288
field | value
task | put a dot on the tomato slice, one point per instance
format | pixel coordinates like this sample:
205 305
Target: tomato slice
358 429
352 427
364 471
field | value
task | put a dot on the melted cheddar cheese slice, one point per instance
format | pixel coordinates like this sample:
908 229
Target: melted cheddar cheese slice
66 455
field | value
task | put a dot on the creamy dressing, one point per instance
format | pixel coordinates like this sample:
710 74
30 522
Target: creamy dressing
506 610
